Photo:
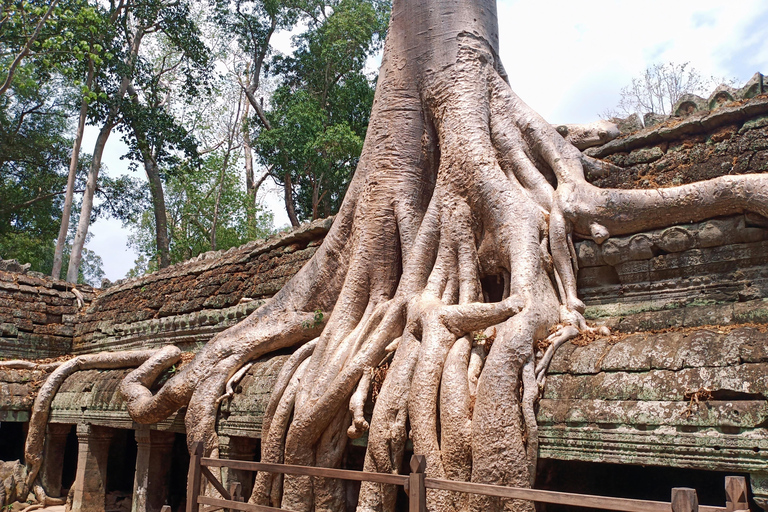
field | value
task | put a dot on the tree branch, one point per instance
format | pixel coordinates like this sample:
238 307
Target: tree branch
14 207
27 47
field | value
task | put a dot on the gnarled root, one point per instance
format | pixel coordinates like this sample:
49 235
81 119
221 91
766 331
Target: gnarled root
33 448
459 184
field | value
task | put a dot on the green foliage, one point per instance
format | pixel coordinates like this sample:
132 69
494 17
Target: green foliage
191 195
317 320
34 154
319 112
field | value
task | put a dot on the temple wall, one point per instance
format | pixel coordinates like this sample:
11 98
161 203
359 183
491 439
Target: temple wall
683 382
37 313
186 304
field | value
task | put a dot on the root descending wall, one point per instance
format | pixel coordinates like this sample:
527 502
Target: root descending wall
186 304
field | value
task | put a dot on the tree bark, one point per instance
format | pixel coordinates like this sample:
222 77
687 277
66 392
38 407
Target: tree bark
58 255
250 183
93 173
155 190
288 197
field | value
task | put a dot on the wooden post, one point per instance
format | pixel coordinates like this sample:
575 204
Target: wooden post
417 492
236 492
736 493
684 499
193 477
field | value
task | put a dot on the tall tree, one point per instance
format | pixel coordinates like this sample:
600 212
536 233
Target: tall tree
135 21
173 73
253 23
320 110
452 187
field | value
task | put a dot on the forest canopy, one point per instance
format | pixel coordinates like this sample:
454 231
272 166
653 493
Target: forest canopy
209 109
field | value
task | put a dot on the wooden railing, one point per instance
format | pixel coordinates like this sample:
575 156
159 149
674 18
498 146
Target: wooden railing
416 484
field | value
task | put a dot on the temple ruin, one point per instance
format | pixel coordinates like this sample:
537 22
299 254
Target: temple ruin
679 391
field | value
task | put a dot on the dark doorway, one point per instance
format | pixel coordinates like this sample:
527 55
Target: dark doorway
177 488
69 468
627 481
12 438
121 469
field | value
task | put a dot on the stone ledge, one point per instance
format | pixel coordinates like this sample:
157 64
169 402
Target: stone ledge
707 449
677 129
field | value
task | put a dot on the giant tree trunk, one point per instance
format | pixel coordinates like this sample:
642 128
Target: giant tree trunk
459 180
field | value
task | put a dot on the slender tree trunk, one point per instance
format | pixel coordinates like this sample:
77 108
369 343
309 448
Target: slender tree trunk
155 189
288 196
93 173
250 182
217 203
78 243
58 255
158 205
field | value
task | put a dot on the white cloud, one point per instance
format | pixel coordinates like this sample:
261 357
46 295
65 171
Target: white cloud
569 60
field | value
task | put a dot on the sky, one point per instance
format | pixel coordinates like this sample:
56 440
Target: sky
567 59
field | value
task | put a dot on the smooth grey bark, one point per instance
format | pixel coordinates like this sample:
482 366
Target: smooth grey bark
58 255
98 151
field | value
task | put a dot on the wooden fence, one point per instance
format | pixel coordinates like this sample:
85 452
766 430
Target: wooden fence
416 485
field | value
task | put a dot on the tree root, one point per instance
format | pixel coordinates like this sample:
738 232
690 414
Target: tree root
19 364
459 182
33 448
232 382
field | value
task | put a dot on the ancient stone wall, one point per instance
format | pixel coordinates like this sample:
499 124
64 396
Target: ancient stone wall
186 304
730 140
37 313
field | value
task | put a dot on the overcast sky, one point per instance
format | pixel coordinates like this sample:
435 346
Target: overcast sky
568 60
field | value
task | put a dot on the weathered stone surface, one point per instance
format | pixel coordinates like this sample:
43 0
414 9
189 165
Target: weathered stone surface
708 448
715 413
673 351
186 304
36 313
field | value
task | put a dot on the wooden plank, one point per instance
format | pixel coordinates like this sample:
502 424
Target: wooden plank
193 477
684 499
236 505
343 474
215 482
558 498
736 493
417 492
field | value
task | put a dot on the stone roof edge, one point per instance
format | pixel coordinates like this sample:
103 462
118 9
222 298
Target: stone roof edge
306 232
12 266
676 128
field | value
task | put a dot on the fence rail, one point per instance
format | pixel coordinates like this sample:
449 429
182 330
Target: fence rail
416 484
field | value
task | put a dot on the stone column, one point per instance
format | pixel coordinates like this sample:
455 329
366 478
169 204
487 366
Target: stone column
53 458
237 448
153 463
91 478
759 484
